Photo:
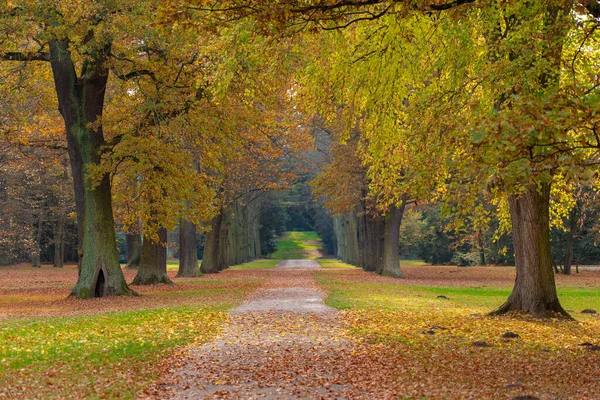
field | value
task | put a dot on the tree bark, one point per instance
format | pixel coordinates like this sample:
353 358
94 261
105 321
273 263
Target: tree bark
211 261
391 257
573 217
59 242
153 265
35 258
81 103
134 250
534 290
225 245
188 258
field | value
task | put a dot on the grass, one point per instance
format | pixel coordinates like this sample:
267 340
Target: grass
464 310
294 245
75 353
331 263
451 348
412 263
256 264
113 354
391 297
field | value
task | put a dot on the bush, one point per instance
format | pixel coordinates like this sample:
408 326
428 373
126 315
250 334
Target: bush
465 259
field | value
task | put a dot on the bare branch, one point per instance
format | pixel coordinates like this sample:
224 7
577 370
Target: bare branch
18 56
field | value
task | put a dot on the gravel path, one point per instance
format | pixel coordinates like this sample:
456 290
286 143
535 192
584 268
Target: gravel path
282 343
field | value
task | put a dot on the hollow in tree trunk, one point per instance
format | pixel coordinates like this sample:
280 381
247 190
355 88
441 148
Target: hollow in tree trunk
188 258
534 290
153 265
134 250
81 102
391 256
211 261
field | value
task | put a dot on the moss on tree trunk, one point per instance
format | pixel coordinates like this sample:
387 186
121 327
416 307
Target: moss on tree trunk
81 102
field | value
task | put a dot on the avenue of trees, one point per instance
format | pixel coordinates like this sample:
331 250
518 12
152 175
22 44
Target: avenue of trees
481 115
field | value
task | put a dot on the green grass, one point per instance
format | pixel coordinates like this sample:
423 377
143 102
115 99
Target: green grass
364 295
330 263
397 314
256 264
173 265
110 355
84 349
412 263
293 245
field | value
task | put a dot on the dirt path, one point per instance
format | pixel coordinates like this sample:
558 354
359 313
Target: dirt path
282 343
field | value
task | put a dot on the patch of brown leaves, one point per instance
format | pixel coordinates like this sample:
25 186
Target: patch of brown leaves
44 292
437 275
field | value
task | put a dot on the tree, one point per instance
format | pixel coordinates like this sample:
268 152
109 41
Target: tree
532 133
134 250
188 258
69 40
153 262
543 116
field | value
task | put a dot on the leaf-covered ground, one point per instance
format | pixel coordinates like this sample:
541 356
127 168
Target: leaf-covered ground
446 347
423 337
52 346
397 340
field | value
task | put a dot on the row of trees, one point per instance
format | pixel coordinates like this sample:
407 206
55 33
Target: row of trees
490 108
171 117
178 110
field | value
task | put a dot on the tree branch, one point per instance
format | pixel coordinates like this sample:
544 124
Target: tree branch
137 73
18 56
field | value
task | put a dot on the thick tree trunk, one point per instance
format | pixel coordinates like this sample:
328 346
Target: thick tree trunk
573 216
534 290
188 258
391 257
59 242
371 242
133 242
35 258
153 265
225 245
81 102
340 238
211 261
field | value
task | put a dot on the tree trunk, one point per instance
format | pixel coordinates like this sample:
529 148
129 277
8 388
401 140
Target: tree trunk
81 102
35 258
391 257
534 290
225 245
480 244
153 263
211 262
573 217
59 242
188 258
134 250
